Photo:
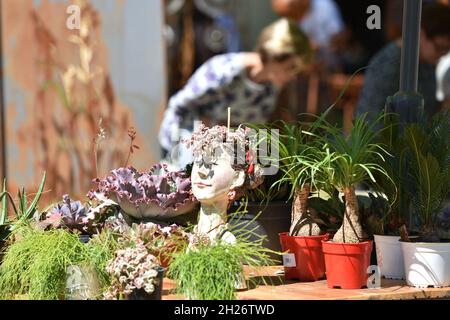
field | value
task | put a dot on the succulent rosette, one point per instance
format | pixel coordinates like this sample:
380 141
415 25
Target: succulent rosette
158 193
133 268
76 217
161 241
69 214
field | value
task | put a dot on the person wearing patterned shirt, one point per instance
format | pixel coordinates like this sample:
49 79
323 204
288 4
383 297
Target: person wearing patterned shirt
246 82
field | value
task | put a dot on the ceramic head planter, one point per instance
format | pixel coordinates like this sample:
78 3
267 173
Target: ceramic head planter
223 170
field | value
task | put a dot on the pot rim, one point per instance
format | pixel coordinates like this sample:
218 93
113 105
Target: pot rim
359 244
385 236
438 244
392 240
286 234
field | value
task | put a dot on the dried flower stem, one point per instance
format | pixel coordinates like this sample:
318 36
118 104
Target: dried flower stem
132 136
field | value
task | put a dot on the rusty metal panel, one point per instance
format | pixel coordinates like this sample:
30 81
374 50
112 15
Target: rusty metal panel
71 96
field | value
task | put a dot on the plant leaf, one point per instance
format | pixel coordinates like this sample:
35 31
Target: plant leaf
32 208
4 213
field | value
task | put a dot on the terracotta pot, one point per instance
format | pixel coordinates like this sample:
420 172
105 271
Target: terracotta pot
347 263
309 259
290 272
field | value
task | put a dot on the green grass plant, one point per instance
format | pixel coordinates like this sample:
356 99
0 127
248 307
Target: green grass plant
35 265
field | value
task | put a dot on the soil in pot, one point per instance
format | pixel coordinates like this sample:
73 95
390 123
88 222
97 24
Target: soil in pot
141 294
426 264
274 219
308 257
346 264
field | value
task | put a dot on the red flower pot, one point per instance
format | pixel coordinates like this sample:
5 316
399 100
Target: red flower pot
347 264
309 259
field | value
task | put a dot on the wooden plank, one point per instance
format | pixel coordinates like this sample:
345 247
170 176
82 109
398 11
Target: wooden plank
289 290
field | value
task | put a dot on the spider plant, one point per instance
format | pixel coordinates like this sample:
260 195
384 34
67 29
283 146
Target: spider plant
428 155
353 159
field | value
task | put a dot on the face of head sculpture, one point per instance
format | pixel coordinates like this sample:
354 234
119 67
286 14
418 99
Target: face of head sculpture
214 180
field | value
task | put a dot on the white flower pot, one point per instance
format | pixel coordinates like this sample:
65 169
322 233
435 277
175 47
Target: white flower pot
390 257
427 264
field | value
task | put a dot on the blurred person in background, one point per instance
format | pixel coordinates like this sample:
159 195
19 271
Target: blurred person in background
320 20
382 77
247 82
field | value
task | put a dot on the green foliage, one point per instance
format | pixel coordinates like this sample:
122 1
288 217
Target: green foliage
303 154
23 215
396 166
419 167
208 272
300 154
428 157
100 250
36 264
4 225
26 211
23 210
212 272
357 157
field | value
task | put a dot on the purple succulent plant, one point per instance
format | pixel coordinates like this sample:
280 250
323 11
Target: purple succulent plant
159 187
71 212
73 215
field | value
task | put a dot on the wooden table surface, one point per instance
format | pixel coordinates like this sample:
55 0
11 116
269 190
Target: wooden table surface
282 290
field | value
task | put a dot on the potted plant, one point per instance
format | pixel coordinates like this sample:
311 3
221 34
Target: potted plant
36 263
301 161
162 242
209 271
354 159
55 265
427 257
386 223
23 212
135 273
156 194
84 220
